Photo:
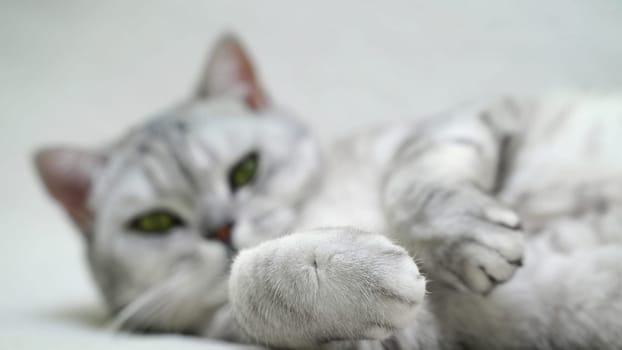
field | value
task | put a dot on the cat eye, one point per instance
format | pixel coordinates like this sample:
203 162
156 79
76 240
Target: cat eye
157 221
243 172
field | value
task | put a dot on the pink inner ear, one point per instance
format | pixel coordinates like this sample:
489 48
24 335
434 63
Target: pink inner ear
67 175
231 72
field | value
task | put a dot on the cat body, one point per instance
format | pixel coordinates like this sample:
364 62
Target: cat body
222 217
562 176
559 171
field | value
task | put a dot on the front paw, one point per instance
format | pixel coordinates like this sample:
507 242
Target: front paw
322 285
466 239
481 259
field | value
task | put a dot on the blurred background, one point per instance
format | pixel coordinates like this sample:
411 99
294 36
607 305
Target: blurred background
82 72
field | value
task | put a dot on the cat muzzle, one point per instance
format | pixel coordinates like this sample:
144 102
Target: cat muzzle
222 233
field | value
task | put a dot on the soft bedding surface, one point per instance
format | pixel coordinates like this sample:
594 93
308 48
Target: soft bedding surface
82 72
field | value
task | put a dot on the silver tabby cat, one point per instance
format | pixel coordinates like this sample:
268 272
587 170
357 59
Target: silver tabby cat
221 217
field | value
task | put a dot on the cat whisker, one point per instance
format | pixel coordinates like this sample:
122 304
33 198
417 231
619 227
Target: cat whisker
146 307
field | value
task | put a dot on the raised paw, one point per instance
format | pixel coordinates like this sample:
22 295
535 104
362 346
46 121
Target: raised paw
481 254
482 263
464 237
322 285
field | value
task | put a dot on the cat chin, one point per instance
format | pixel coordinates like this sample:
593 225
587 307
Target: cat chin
184 312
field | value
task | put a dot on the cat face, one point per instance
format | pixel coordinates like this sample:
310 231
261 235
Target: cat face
166 208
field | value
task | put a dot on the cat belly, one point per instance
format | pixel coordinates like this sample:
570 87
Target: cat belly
343 208
350 193
556 301
568 162
346 201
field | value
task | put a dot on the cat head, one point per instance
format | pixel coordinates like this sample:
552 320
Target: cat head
165 208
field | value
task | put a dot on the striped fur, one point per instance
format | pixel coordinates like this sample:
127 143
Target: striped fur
512 210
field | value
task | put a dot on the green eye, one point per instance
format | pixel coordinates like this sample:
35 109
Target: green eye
158 221
244 171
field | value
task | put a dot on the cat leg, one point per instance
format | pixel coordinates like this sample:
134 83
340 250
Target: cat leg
462 236
438 198
319 286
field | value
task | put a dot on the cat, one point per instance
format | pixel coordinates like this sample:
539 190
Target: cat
492 225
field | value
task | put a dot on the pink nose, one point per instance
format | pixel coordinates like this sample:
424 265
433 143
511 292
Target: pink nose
223 233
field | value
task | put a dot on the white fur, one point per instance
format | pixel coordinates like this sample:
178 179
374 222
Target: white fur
566 294
467 241
453 192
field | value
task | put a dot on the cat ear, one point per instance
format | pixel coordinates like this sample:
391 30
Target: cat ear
230 72
68 174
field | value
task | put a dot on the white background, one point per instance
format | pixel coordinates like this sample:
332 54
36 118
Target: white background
81 72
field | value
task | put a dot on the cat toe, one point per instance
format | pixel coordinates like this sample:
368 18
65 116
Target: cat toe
483 268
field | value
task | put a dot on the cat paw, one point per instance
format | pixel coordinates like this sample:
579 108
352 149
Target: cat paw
323 285
481 264
486 252
466 239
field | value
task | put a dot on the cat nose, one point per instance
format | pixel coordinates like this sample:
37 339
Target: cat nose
221 233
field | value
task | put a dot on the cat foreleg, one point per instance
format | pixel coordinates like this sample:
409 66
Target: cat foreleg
319 286
439 202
